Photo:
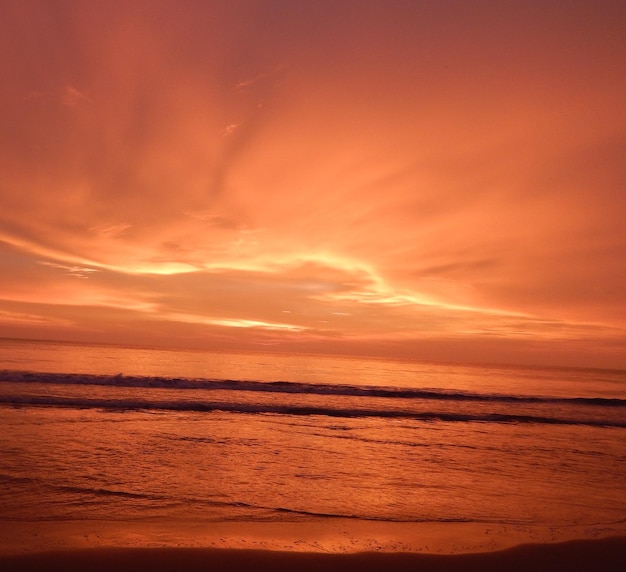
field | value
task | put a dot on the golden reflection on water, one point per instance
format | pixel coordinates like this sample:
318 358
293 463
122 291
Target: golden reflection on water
112 360
135 472
199 472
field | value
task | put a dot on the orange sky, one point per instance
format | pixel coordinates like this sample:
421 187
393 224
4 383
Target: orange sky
437 180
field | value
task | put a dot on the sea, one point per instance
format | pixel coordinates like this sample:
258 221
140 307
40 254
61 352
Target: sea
342 453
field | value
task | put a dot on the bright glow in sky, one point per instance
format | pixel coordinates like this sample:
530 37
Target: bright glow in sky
434 180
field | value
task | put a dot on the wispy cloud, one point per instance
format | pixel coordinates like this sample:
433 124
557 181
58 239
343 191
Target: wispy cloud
71 97
31 319
77 271
371 188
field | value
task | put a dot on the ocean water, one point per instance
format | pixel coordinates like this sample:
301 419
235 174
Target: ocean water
109 434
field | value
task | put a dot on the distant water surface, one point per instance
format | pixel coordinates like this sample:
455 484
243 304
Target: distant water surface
119 434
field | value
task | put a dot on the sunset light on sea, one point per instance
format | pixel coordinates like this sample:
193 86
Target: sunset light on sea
303 285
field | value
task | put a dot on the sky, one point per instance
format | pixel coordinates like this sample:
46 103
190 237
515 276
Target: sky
401 178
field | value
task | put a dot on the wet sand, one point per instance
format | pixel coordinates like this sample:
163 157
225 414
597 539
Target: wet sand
607 555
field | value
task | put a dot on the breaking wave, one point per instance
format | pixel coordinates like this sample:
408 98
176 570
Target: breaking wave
291 387
306 399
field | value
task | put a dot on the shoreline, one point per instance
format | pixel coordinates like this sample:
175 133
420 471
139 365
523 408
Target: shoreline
337 536
606 554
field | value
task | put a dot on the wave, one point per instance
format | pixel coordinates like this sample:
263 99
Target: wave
255 512
298 410
291 387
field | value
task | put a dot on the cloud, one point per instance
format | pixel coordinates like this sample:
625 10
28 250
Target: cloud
373 175
77 271
111 230
71 97
21 318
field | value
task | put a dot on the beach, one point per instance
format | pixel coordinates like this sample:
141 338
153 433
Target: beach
143 459
600 555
